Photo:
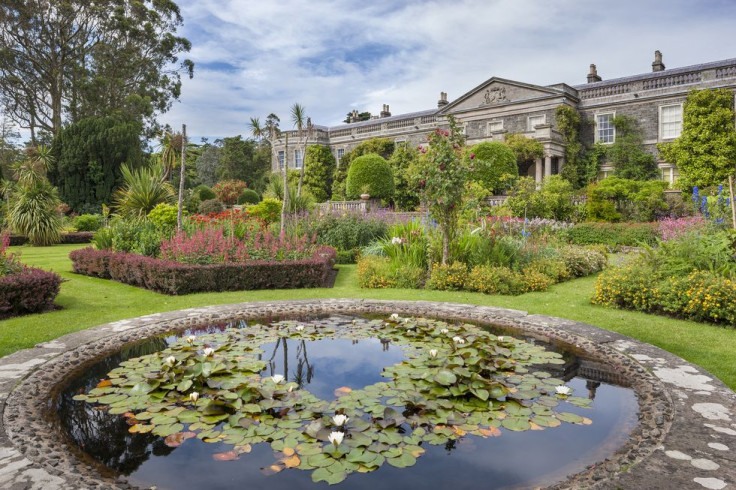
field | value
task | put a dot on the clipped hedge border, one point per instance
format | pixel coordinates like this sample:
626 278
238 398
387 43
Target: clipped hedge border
66 238
30 291
173 278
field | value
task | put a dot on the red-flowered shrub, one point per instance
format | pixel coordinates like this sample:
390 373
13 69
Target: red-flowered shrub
169 277
29 291
229 191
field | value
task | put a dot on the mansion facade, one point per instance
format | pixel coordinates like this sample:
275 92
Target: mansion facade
498 107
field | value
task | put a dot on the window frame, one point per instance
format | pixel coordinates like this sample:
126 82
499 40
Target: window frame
597 128
297 155
494 121
281 157
660 122
529 125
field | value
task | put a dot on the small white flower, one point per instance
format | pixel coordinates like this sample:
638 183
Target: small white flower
563 390
194 396
299 328
277 378
336 437
433 352
394 317
191 339
444 331
340 420
355 321
500 338
209 351
170 361
458 340
396 240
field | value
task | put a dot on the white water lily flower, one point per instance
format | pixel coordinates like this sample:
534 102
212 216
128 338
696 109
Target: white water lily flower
340 420
458 340
194 396
336 437
277 378
500 338
444 331
299 328
170 361
563 390
394 317
209 351
191 339
433 352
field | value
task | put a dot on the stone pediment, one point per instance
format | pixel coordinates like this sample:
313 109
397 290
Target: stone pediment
498 91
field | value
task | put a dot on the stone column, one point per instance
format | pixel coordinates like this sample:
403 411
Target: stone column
538 170
560 164
547 166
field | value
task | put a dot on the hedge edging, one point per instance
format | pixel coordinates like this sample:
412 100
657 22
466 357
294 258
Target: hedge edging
173 278
30 291
66 238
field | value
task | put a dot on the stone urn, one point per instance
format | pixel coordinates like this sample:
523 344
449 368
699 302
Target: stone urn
365 197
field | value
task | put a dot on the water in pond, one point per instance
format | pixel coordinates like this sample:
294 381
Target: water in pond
513 460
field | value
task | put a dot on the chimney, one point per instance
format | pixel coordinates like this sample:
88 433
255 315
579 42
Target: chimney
593 75
657 64
385 112
354 116
443 100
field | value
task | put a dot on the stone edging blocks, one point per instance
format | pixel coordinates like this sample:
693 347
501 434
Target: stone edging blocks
686 437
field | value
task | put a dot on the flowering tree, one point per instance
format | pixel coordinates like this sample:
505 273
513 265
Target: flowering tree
440 175
228 191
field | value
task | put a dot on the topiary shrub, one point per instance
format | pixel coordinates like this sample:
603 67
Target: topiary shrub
495 165
88 222
211 206
204 193
370 174
249 196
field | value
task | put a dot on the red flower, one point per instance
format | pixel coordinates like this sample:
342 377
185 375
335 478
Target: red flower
472 156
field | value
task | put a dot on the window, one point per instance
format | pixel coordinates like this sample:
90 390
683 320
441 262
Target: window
536 120
495 126
340 154
298 159
670 121
605 132
281 159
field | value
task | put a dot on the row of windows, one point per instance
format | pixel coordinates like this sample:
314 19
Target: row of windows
670 124
298 159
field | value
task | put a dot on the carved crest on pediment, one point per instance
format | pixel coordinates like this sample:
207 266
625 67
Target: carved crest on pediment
495 95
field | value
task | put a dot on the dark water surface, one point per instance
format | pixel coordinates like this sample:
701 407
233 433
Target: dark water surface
514 460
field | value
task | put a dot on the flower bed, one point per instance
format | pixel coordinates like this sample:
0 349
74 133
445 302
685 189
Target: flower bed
170 277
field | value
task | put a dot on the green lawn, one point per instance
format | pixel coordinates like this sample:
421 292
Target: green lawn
87 302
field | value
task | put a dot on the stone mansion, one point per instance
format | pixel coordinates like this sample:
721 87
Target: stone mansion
498 107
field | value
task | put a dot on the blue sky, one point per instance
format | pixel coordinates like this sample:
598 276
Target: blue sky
332 56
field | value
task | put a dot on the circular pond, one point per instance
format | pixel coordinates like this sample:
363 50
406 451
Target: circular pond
361 402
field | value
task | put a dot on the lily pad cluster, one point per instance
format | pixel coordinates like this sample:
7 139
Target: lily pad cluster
456 380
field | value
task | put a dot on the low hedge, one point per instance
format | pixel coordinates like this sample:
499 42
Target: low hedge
173 278
612 234
66 238
30 291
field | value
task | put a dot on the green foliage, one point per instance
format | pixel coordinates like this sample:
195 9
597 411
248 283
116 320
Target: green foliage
526 150
405 195
208 163
268 210
142 190
319 170
381 273
243 160
164 216
229 191
448 277
627 154
370 174
612 235
615 199
138 236
710 250
495 165
553 200
489 279
380 146
577 170
88 222
204 193
249 196
705 153
300 204
344 233
210 206
89 155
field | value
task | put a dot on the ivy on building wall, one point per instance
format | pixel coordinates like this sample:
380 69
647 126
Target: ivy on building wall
627 154
581 167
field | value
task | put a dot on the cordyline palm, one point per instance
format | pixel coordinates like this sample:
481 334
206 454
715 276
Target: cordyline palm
256 130
143 189
303 126
170 153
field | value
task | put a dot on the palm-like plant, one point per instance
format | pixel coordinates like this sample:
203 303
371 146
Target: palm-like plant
303 125
170 153
256 130
143 189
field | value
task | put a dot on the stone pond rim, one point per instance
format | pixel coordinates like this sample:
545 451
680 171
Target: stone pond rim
686 435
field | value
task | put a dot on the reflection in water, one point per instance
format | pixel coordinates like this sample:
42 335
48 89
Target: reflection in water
516 459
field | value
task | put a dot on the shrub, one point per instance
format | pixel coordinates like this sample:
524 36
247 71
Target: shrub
370 174
614 199
348 256
612 235
405 196
700 296
174 278
632 287
136 236
28 291
581 262
9 263
347 232
88 222
383 147
674 228
553 200
495 165
164 216
490 279
269 210
249 196
204 193
380 273
444 277
553 268
142 190
211 206
319 170
229 191
534 280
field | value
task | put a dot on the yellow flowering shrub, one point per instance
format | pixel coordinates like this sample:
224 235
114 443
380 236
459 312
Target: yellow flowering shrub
632 287
448 277
536 281
494 280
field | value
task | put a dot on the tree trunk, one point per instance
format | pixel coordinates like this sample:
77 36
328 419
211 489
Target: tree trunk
181 176
304 164
285 204
445 244
733 203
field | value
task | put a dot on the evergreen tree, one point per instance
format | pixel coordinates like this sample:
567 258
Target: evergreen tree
319 169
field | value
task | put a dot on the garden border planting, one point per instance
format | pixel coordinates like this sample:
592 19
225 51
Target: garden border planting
168 277
66 238
30 291
686 417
